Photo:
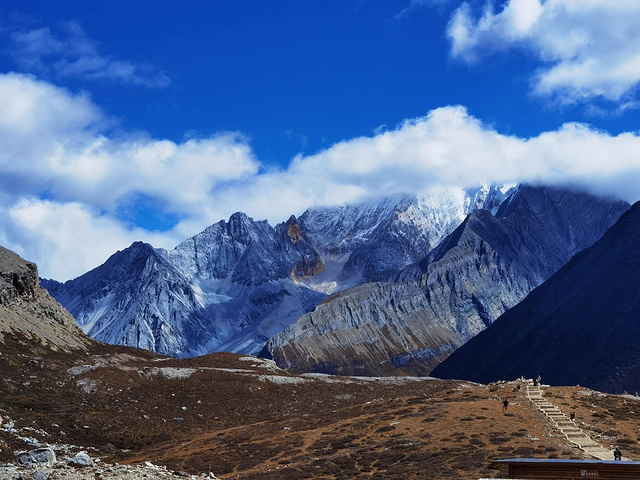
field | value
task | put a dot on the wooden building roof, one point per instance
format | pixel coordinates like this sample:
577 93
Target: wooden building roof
563 469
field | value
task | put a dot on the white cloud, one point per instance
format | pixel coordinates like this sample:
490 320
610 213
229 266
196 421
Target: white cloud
451 147
589 48
446 147
54 145
52 139
28 106
64 179
68 239
67 51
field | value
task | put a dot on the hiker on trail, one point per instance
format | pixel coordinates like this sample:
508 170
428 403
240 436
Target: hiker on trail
539 380
617 454
505 404
572 415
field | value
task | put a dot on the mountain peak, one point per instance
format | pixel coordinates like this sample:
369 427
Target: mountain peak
240 217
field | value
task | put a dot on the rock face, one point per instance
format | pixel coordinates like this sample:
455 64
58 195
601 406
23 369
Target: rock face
486 266
579 327
27 309
42 463
18 278
239 282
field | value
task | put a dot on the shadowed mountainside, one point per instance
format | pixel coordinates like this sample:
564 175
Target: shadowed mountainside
582 326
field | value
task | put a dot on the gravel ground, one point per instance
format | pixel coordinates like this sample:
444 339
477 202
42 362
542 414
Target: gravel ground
64 471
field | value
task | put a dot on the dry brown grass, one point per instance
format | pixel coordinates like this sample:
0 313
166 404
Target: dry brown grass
240 426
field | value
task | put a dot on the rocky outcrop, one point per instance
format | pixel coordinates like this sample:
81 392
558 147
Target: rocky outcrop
307 261
486 266
44 457
27 309
18 278
578 327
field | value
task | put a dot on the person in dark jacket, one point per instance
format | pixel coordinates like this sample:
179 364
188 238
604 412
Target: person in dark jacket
617 454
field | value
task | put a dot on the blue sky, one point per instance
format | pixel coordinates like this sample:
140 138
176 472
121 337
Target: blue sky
293 76
151 120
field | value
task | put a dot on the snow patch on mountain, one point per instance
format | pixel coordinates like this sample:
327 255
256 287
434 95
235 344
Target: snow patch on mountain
209 292
327 281
100 308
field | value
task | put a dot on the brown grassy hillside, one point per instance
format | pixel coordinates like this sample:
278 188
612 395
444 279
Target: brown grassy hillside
240 417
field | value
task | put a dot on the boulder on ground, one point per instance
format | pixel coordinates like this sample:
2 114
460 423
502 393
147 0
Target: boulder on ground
38 457
42 474
82 459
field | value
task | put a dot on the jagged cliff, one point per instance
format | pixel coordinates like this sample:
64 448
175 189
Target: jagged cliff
487 265
28 311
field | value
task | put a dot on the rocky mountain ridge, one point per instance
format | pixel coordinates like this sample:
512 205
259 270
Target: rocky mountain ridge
237 283
486 266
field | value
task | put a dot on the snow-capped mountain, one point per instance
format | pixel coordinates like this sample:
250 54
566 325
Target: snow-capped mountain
227 288
374 241
237 283
484 267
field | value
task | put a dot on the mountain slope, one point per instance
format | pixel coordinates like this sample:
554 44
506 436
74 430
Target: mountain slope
579 327
484 267
27 311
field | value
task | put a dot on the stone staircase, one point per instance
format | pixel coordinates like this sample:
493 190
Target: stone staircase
567 426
